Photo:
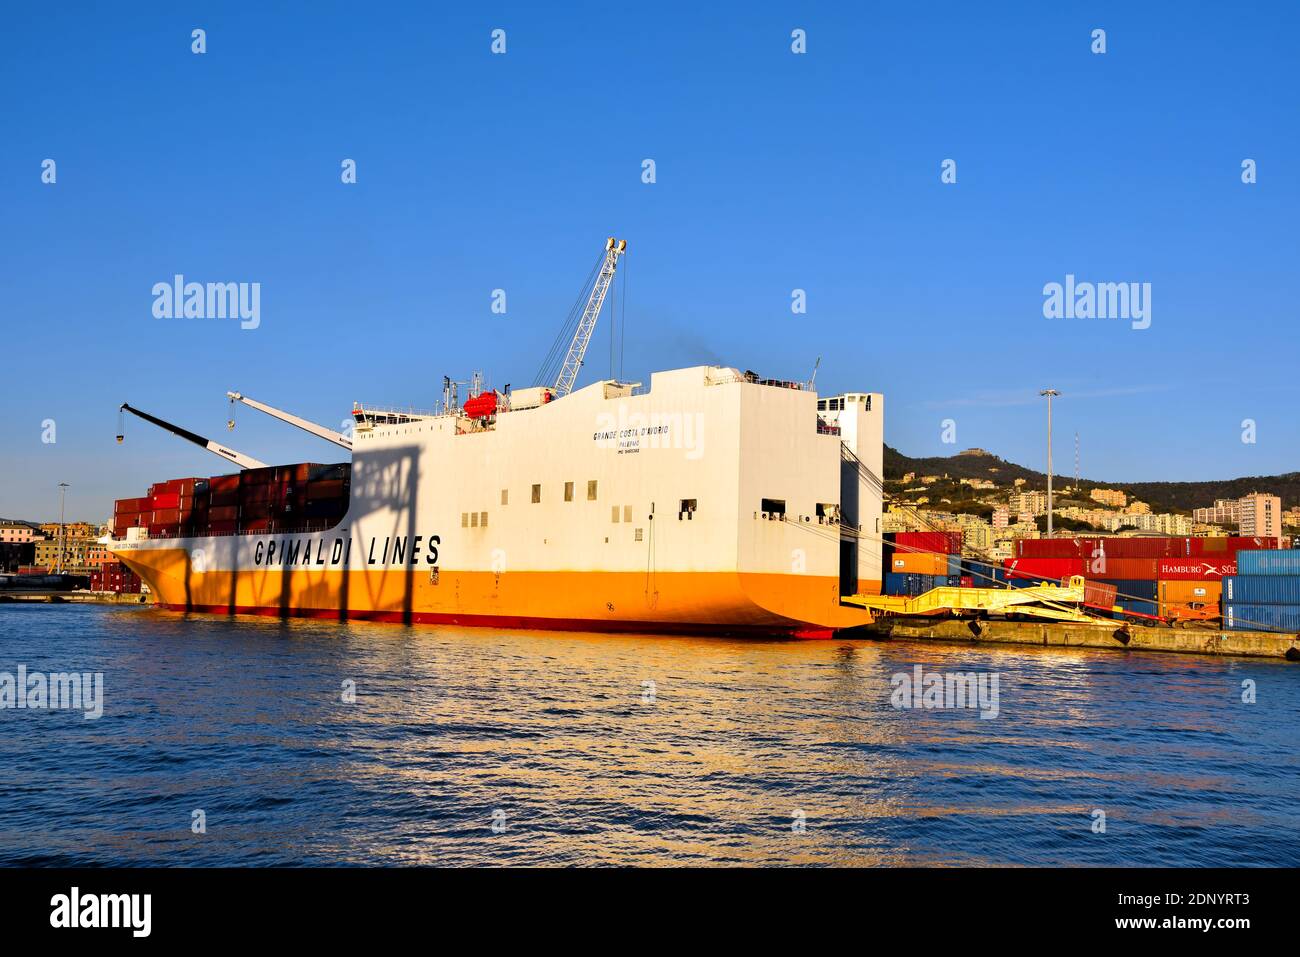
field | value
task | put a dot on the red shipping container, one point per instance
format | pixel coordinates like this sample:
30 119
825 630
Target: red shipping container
165 500
1054 547
1238 543
940 543
1125 568
223 483
1044 569
1209 545
317 491
1161 547
1205 568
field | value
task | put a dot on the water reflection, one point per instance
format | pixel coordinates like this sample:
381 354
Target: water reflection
245 718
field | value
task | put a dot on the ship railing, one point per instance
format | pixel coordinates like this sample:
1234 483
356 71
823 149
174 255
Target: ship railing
295 530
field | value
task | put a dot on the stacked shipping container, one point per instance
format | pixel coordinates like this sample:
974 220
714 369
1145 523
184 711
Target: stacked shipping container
304 497
1170 577
1264 595
115 577
916 562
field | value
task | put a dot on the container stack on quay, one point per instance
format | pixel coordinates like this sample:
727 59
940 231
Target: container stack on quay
1167 577
300 498
916 562
114 577
1264 594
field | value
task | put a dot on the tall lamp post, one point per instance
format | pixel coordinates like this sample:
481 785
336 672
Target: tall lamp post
63 531
1049 393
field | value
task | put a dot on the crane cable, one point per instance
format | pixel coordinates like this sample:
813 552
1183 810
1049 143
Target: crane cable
552 363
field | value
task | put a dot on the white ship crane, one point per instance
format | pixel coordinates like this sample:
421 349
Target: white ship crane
587 323
216 448
329 435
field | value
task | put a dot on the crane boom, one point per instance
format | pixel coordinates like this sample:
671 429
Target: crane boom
230 455
587 324
329 435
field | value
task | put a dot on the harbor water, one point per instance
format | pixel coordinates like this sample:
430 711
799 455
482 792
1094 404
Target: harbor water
246 741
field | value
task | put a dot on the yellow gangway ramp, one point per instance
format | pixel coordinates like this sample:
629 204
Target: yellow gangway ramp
1065 602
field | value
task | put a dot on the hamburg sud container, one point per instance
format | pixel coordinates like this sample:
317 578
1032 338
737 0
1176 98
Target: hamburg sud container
1262 589
1269 562
1195 569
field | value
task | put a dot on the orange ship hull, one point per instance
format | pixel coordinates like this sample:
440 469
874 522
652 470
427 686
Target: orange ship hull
695 602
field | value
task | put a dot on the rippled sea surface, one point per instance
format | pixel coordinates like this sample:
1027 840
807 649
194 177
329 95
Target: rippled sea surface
474 747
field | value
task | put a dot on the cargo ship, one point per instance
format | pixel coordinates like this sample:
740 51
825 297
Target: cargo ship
713 501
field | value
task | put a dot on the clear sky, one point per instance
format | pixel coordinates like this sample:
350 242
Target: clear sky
775 171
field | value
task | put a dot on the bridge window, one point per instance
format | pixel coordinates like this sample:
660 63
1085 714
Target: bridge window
591 491
537 494
773 506
568 491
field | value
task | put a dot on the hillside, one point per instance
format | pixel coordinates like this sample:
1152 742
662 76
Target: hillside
1161 496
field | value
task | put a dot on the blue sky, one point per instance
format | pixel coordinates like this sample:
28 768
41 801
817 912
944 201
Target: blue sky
775 171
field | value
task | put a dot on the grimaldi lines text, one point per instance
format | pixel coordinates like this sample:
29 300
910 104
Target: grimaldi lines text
714 501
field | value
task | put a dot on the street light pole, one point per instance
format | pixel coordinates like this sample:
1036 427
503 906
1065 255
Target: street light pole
1049 393
63 531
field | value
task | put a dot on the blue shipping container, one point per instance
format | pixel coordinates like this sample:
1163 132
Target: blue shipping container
1143 589
1262 589
1141 607
1269 561
1238 616
911 584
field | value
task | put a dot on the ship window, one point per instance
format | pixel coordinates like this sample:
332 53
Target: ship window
773 506
505 496
464 519
483 519
638 534
613 514
591 491
687 509
473 519
627 513
568 491
537 494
